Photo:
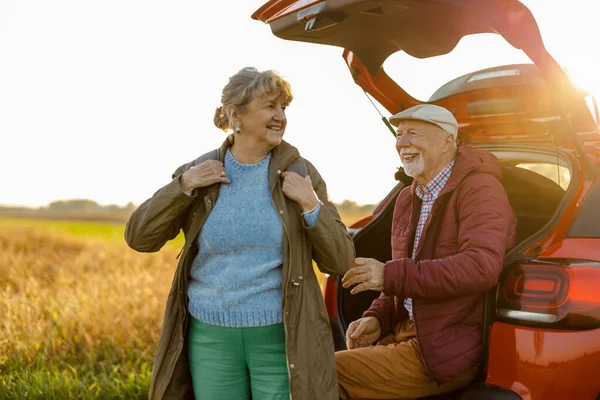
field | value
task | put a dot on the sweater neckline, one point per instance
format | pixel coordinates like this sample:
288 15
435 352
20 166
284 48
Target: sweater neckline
235 164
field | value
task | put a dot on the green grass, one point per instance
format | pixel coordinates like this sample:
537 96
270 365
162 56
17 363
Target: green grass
88 229
104 230
47 379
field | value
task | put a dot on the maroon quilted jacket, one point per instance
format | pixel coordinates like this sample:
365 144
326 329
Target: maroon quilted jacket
459 257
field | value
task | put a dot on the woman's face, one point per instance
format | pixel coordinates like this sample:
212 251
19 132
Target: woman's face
264 119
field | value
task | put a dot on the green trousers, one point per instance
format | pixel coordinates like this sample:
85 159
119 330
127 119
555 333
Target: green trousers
230 363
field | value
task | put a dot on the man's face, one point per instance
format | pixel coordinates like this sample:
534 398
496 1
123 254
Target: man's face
423 149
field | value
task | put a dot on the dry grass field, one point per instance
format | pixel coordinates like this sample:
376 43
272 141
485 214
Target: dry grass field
80 311
80 316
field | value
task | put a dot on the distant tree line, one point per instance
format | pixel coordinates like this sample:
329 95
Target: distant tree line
85 205
75 209
91 206
350 206
85 209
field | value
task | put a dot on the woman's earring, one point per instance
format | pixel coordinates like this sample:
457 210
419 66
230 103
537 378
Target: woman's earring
237 129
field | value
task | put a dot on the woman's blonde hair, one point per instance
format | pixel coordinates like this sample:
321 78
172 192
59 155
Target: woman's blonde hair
246 85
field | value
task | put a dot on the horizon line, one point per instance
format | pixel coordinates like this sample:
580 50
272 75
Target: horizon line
16 205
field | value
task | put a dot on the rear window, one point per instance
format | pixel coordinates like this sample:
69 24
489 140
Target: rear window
420 78
587 220
558 174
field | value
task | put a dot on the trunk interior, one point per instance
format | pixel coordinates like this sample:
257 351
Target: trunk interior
531 179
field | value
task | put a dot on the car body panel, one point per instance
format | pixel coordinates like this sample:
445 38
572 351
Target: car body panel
274 10
545 364
574 248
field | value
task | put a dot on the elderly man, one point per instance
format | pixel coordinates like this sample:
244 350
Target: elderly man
450 232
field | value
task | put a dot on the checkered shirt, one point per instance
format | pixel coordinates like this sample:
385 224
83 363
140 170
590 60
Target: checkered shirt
428 193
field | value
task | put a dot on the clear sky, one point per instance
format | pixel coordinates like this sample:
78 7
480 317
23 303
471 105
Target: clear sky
104 99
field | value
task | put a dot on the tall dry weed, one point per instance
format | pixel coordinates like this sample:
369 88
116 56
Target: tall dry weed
78 300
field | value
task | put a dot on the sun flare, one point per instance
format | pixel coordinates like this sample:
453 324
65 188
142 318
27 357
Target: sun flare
586 78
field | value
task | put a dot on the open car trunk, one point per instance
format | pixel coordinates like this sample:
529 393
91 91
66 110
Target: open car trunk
537 199
371 30
374 29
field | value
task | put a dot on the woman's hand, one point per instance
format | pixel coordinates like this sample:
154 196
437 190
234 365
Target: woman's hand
205 174
300 190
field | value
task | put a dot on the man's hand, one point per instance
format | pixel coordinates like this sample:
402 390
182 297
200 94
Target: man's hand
367 273
300 190
202 175
363 332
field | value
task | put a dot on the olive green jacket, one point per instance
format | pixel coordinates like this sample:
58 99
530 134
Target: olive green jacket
309 343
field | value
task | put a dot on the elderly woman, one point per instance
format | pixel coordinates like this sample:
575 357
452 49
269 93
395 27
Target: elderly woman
245 315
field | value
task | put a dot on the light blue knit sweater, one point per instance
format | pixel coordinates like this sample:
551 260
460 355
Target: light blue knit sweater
236 278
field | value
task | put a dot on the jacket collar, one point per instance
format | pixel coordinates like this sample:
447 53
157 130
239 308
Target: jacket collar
468 159
281 157
436 185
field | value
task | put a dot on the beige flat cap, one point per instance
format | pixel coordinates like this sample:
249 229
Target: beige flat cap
428 113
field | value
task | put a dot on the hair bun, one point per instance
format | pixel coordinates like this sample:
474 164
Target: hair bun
220 119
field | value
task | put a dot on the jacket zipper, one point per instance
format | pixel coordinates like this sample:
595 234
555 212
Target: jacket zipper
414 257
285 287
417 251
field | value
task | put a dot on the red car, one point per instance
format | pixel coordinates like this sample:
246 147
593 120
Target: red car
543 319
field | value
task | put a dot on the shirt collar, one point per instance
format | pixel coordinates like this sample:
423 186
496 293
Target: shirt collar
436 185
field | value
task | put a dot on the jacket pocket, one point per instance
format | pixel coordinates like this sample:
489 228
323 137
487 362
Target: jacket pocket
317 311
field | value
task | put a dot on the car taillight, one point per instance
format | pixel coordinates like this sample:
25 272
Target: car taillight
564 294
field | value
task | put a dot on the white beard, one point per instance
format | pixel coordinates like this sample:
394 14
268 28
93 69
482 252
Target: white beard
414 168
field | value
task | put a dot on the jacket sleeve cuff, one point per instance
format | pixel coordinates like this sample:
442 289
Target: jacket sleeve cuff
192 193
393 282
175 194
311 217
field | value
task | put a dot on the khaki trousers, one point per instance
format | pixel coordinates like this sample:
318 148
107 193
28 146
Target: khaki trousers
393 369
